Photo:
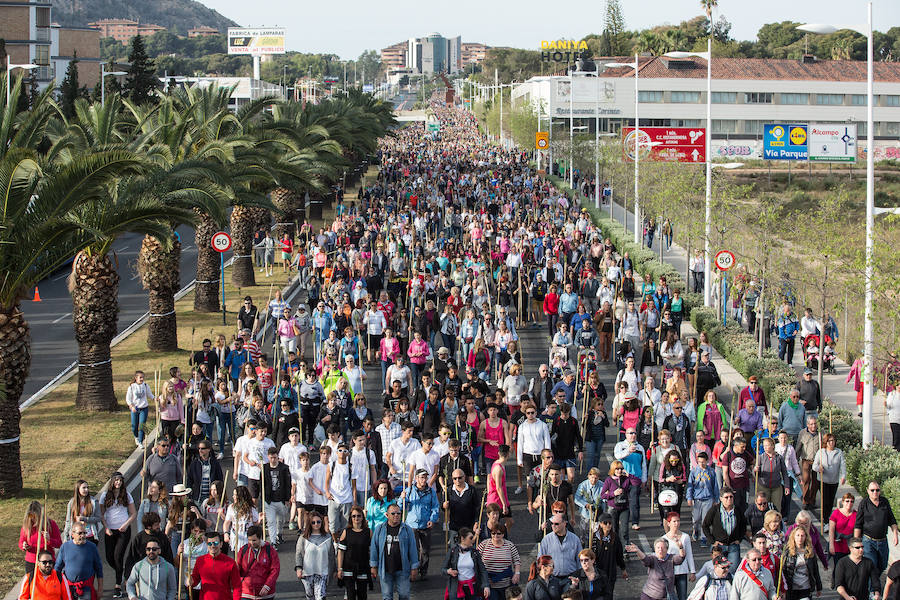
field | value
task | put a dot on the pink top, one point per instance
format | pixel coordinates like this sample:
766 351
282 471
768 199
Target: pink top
286 328
842 525
493 494
390 348
418 352
51 542
173 411
630 419
495 434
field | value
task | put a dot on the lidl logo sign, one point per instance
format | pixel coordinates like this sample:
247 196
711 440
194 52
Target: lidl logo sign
785 142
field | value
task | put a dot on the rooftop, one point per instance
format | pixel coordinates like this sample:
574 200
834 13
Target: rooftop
658 67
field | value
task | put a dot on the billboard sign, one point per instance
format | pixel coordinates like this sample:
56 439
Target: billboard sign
832 142
368 88
666 144
785 141
256 40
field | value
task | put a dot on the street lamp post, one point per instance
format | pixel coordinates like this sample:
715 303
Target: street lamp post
637 155
868 337
9 67
103 74
707 262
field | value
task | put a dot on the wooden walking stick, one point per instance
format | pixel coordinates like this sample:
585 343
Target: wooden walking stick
144 467
652 438
447 515
780 567
262 491
222 499
184 519
480 515
41 533
184 450
584 412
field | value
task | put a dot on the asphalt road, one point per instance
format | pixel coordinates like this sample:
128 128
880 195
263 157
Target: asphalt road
53 345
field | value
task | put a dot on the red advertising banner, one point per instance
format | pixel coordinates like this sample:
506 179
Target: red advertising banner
668 144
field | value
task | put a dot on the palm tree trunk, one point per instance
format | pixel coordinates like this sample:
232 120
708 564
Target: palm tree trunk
94 285
242 224
15 360
159 274
206 292
287 202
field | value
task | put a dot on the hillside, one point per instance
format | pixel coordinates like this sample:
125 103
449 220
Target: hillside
179 15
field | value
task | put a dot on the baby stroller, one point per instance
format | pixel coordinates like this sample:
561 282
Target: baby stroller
587 364
559 360
811 353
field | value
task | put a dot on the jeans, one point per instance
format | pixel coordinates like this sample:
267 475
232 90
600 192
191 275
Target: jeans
624 530
876 551
733 552
681 585
476 459
634 504
698 277
594 449
384 367
226 429
138 418
551 323
398 581
698 511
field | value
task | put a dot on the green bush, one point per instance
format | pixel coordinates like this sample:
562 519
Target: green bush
890 489
875 463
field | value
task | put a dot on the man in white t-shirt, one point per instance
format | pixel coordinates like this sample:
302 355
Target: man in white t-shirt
401 449
424 458
362 462
289 453
442 443
340 489
240 448
254 456
315 479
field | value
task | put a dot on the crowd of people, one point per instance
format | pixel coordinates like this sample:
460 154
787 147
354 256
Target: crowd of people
423 284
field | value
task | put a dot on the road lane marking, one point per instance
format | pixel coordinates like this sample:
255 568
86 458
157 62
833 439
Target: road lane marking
68 314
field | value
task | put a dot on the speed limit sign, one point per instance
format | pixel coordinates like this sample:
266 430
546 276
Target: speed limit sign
724 260
221 242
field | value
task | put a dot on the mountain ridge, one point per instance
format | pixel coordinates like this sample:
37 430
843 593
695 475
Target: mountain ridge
178 15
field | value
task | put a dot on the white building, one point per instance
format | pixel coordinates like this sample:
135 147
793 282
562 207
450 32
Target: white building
746 94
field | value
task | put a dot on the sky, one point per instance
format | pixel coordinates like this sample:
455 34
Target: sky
348 27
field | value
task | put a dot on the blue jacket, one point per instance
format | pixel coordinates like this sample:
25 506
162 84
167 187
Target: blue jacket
702 484
421 507
568 389
409 555
235 360
787 326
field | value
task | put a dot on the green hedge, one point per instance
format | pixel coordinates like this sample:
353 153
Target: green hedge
876 463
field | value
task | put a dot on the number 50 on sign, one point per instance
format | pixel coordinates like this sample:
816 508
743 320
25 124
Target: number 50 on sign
724 260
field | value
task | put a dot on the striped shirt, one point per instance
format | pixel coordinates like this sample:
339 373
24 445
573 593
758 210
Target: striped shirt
497 560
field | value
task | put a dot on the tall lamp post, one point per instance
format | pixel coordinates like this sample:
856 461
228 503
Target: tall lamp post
637 131
868 337
707 269
103 74
9 67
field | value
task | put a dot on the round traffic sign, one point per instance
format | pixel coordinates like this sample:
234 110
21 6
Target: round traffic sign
221 242
724 260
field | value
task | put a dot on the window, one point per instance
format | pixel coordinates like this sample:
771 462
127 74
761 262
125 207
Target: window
650 96
42 55
794 98
724 126
859 100
830 99
753 127
892 100
42 17
724 97
890 129
758 97
685 122
686 97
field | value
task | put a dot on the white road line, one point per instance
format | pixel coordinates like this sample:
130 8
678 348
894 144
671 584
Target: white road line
63 276
136 275
68 314
123 249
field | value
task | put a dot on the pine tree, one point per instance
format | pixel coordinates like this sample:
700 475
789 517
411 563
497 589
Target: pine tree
614 29
142 83
68 91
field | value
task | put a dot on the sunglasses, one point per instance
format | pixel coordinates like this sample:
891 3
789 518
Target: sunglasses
213 544
50 562
458 478
493 533
156 549
393 514
856 547
876 490
356 516
315 522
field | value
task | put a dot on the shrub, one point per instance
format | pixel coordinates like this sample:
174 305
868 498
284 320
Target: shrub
890 489
875 463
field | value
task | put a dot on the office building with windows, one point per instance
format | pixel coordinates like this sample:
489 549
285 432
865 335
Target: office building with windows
746 94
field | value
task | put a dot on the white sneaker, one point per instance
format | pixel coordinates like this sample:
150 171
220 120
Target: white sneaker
137 442
518 490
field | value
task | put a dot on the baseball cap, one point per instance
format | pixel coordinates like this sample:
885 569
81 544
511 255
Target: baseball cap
807 371
721 561
293 430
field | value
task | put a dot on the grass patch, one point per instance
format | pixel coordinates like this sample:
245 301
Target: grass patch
65 444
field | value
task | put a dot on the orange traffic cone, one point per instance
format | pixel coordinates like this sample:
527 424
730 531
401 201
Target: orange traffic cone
37 295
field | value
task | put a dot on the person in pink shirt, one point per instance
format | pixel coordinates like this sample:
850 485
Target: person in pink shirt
171 408
418 354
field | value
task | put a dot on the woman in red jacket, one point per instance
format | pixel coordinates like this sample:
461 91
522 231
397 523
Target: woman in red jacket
551 309
29 540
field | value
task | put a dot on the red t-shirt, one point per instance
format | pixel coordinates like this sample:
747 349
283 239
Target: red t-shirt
287 245
265 377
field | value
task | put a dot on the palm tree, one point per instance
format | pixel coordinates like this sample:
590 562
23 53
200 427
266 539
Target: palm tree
37 235
94 281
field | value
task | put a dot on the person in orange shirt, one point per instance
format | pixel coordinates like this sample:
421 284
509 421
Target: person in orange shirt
48 584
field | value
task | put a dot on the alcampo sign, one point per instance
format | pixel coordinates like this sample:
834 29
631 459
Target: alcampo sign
564 50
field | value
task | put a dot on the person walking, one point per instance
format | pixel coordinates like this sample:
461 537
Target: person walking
660 584
502 561
831 466
563 546
258 566
79 563
856 576
152 577
462 504
591 582
809 442
873 519
800 567
353 556
752 581
162 465
421 504
541 583
216 573
727 526
393 558
117 508
46 583
32 538
467 575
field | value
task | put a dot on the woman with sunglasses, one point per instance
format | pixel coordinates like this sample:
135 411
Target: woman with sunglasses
502 561
541 583
353 556
591 582
840 529
314 557
615 491
467 574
